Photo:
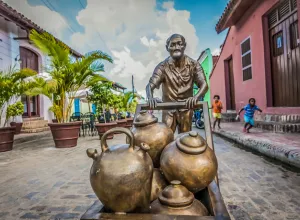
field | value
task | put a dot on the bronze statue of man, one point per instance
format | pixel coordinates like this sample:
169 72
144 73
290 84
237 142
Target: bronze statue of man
177 75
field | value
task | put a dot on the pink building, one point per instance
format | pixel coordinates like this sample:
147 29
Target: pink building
260 57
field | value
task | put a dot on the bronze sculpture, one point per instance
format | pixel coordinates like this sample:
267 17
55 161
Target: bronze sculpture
177 75
189 160
147 129
121 175
177 200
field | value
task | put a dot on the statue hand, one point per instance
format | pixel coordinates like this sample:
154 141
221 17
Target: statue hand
191 102
152 102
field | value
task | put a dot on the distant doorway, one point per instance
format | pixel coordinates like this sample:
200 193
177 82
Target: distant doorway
31 104
285 54
229 80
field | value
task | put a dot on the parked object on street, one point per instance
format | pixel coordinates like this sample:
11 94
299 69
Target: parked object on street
158 184
199 119
121 175
104 127
249 114
156 134
195 165
7 138
65 135
175 199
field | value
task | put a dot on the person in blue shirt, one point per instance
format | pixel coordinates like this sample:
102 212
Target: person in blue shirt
249 114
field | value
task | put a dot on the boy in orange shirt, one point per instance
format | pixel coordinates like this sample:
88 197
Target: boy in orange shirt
217 108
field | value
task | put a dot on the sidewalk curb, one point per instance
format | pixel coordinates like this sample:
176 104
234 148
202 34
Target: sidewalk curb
31 137
287 154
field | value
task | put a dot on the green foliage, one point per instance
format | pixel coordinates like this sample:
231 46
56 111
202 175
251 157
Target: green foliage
14 83
67 74
14 110
101 95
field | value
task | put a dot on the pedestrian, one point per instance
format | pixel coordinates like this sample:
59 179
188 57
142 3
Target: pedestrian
249 113
217 109
107 115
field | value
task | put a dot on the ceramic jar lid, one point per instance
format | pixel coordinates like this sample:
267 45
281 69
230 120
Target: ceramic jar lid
176 195
144 118
191 143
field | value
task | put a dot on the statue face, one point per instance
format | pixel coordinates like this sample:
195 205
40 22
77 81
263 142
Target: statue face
176 48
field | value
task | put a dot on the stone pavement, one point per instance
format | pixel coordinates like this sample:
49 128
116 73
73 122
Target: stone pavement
280 146
39 181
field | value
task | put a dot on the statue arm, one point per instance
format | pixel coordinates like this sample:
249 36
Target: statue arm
154 82
200 81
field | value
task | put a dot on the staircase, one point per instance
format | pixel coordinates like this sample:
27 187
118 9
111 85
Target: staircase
229 117
278 123
34 125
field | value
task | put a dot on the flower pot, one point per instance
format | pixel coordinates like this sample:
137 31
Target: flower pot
129 122
121 123
17 125
65 135
7 138
104 127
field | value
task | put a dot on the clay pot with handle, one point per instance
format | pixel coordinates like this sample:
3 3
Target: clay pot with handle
157 135
189 160
121 175
177 200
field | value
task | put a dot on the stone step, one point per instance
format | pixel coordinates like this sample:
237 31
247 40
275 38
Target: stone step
33 119
36 130
229 117
278 127
34 124
293 118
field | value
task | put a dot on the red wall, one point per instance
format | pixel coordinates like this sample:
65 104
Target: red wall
250 25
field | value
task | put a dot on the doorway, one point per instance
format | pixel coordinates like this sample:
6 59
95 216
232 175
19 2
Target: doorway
285 54
229 80
31 104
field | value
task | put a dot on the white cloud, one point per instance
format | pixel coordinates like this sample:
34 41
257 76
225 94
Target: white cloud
49 20
216 52
134 32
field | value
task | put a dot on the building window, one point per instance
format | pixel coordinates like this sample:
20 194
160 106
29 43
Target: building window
294 35
277 44
246 59
285 8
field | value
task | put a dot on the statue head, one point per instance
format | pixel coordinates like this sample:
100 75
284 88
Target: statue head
175 45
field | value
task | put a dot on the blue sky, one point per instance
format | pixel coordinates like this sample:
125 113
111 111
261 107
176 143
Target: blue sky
133 32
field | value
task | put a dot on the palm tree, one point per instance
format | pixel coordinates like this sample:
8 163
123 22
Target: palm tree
13 84
67 74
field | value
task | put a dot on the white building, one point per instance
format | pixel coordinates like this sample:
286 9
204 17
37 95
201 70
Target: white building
16 49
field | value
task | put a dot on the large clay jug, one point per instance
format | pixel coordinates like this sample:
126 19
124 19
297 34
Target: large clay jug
157 135
177 200
121 175
189 160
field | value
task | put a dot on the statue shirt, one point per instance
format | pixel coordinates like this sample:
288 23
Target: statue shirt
177 85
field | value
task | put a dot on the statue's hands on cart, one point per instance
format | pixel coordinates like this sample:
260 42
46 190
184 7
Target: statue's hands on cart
191 102
152 102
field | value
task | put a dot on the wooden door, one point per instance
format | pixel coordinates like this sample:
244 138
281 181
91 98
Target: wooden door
230 92
285 55
29 60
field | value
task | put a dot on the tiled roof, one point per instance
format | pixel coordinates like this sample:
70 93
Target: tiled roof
230 5
11 14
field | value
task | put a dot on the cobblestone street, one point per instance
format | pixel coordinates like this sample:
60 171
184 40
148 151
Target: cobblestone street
39 181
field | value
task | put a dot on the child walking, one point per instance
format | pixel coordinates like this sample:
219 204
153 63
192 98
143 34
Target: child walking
249 113
217 108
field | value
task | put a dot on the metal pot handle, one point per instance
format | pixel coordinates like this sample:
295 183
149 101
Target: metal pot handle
126 131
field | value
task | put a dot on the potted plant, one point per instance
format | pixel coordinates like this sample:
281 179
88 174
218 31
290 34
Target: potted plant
67 76
102 97
12 111
13 84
